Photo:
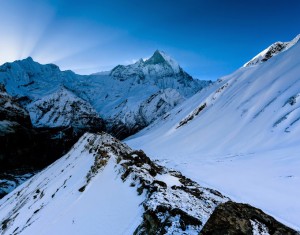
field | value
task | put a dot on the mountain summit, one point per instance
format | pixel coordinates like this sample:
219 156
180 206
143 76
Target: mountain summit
159 57
159 65
271 51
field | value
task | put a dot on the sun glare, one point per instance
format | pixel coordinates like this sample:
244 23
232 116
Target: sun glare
31 28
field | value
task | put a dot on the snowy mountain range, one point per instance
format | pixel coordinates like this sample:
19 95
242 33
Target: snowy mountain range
123 98
240 135
45 110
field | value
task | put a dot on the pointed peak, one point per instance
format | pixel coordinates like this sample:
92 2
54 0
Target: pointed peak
161 57
156 58
29 58
158 52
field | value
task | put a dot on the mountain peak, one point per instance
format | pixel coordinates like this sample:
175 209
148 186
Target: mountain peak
158 65
272 51
29 58
160 57
156 58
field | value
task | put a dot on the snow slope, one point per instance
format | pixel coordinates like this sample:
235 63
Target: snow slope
240 136
50 202
102 186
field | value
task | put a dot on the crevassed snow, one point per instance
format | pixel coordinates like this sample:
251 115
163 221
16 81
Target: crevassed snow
244 142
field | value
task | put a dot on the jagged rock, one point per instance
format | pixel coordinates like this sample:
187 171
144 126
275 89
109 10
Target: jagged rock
233 218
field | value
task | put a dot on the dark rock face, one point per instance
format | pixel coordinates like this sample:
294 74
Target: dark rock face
235 218
10 179
10 110
24 147
275 49
121 130
34 149
21 145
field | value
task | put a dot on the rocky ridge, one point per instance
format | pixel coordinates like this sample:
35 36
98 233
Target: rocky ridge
272 51
171 203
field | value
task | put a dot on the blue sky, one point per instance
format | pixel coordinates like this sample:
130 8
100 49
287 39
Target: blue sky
209 38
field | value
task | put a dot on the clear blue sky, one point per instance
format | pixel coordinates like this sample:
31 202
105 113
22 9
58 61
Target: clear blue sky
209 38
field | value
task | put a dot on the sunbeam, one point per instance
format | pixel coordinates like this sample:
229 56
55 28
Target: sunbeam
22 28
34 29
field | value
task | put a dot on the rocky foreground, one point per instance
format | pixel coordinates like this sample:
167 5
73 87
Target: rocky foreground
102 174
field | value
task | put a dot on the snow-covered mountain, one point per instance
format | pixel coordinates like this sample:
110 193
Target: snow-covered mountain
25 148
240 135
63 109
103 187
161 70
120 97
271 51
